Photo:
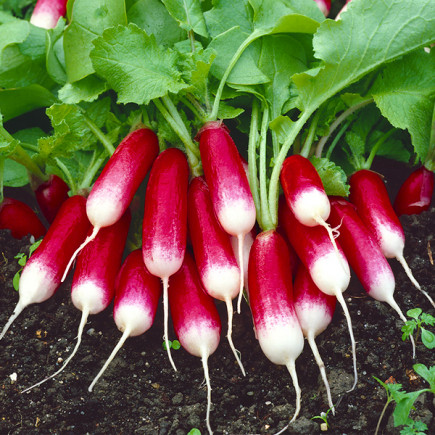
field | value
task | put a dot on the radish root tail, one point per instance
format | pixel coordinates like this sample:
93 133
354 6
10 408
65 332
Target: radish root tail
17 311
291 367
402 261
342 302
166 320
204 360
83 321
393 304
77 251
229 335
121 342
321 364
240 240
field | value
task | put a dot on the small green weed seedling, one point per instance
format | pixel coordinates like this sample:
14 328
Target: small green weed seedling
323 416
418 319
174 344
194 431
405 401
22 260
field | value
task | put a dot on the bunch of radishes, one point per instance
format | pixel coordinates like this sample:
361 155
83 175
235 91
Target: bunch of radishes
214 227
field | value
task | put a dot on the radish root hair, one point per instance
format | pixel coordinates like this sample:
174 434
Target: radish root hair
85 314
77 251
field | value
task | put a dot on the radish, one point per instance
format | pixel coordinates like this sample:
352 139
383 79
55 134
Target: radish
304 193
47 13
120 178
51 195
165 222
370 196
364 255
20 219
42 273
195 318
214 256
324 6
314 310
136 298
415 194
229 187
271 300
329 271
93 283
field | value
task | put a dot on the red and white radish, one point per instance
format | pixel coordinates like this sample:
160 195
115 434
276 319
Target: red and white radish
195 318
42 273
324 6
271 300
314 310
94 277
137 294
370 197
20 219
327 266
50 196
214 256
165 222
415 194
229 187
115 187
46 13
364 255
305 194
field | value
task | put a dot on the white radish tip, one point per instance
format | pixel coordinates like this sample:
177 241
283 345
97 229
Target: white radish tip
166 320
17 311
77 251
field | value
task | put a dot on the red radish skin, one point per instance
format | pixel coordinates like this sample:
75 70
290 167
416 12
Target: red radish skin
294 259
304 193
314 310
364 255
324 6
195 318
137 294
42 273
415 194
214 256
328 267
47 13
229 187
94 277
51 195
115 187
370 197
165 222
20 219
271 300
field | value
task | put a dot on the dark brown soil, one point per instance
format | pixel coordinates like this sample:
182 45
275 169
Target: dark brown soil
140 393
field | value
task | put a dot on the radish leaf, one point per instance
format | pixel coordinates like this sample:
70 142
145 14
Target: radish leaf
189 15
136 79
